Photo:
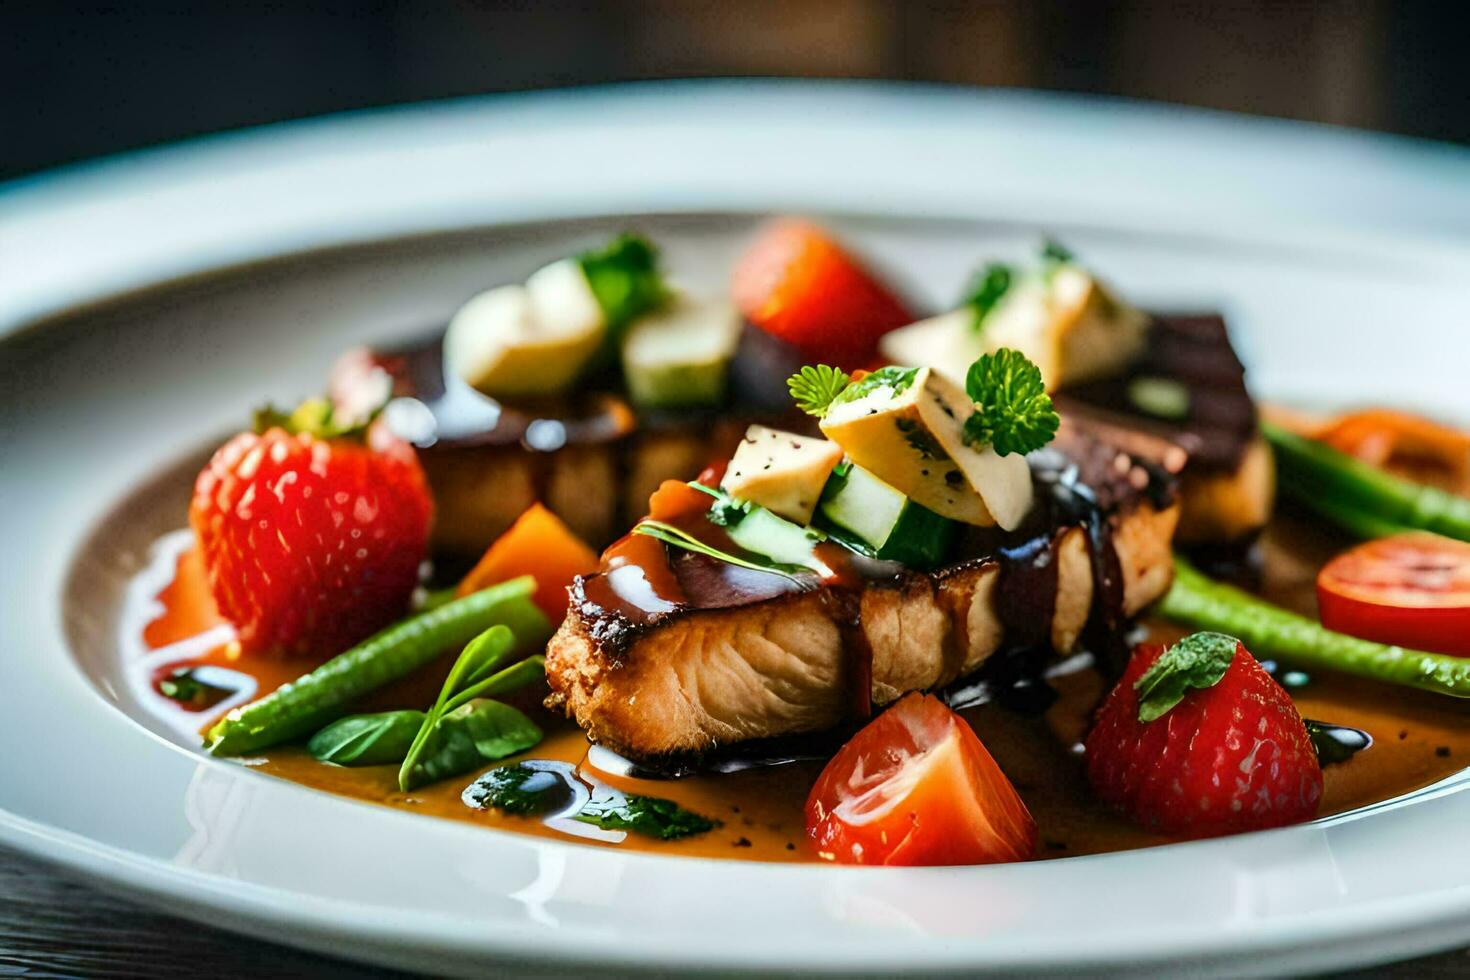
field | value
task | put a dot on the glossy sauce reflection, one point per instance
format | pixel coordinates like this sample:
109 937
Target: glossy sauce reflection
1418 739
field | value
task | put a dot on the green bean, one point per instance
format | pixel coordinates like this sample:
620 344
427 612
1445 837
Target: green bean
1336 483
1270 631
1351 519
307 703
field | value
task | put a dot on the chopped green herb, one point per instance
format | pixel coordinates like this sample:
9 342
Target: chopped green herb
624 278
185 686
1054 252
525 788
815 387
1014 414
1196 662
897 378
987 289
651 816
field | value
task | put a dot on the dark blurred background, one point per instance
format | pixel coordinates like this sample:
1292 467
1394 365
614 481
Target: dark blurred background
78 80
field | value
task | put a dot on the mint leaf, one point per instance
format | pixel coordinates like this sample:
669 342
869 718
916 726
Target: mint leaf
477 732
1196 662
1013 412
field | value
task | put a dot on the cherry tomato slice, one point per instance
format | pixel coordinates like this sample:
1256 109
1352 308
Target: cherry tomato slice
1409 589
916 787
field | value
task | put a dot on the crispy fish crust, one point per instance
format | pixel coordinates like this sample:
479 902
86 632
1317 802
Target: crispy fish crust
707 678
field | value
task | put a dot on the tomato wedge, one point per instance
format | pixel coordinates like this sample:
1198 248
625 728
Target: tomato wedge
916 787
797 283
1409 589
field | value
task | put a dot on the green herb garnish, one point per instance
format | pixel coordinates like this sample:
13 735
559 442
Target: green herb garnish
987 289
186 687
1195 663
518 789
317 417
439 749
898 378
816 387
679 538
624 278
651 816
1054 252
1013 412
367 740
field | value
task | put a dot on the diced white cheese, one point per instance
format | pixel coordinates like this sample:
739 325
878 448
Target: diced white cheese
913 439
527 340
782 472
1065 321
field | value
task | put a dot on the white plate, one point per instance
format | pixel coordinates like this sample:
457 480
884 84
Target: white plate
1335 254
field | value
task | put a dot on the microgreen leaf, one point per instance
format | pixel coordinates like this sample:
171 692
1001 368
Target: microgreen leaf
367 740
651 816
471 677
1013 412
679 538
815 387
986 290
188 688
1196 662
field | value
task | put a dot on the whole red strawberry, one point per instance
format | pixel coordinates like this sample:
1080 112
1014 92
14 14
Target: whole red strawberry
1198 740
311 541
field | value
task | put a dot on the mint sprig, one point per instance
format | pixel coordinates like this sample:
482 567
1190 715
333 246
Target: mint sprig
1196 663
1013 412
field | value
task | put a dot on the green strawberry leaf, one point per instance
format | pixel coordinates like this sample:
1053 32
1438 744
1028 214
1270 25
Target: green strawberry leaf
1196 662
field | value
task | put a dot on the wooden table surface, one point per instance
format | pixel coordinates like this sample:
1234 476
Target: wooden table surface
52 926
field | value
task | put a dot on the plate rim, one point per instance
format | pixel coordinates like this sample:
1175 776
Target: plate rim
1438 915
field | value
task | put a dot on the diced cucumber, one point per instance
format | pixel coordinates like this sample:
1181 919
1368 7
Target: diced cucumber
763 533
680 354
865 512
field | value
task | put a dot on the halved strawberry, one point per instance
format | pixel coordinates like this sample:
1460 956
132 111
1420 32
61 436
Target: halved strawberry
312 536
1197 740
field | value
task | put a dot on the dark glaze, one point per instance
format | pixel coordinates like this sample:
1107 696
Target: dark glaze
1195 351
1082 483
595 413
1417 739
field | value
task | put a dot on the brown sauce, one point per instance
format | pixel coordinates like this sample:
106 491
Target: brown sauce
1418 738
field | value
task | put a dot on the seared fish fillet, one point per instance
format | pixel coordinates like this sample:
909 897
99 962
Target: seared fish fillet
696 678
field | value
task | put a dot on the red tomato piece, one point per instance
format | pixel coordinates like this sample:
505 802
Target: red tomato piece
916 787
797 283
1409 589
